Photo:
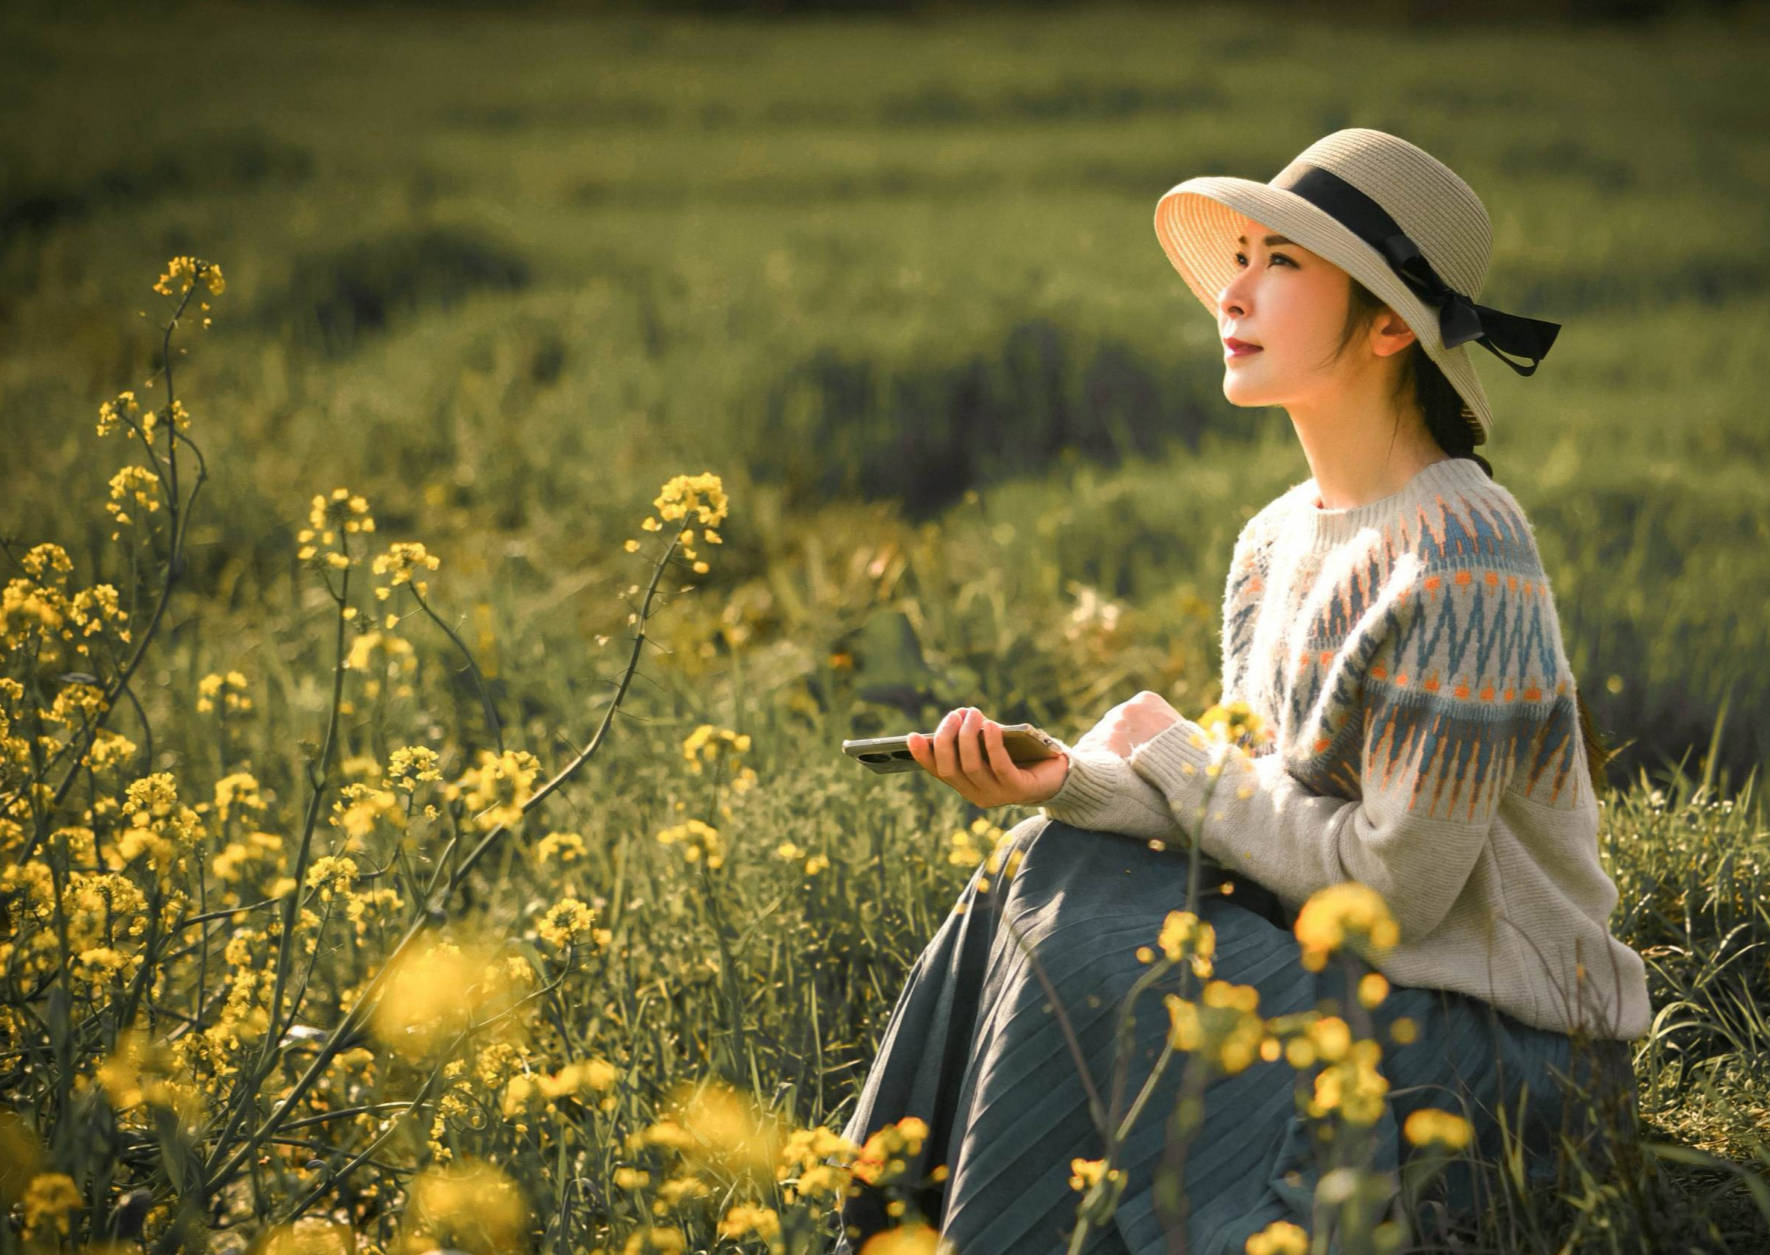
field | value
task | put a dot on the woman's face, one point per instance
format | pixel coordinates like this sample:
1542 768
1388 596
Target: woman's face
1293 304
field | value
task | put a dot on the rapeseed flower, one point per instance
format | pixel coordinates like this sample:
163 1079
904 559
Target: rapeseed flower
882 1158
1340 914
471 1206
700 842
49 1198
1431 1127
495 790
1281 1237
915 1238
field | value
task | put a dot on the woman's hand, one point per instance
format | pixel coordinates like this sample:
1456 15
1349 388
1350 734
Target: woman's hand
966 751
1131 723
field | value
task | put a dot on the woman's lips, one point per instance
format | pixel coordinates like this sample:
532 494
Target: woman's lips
1234 348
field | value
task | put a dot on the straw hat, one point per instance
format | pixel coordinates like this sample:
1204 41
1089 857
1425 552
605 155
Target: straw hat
1388 213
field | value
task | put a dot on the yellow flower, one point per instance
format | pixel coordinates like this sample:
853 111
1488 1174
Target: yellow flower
882 1158
568 921
1185 937
409 764
1281 1237
655 1241
700 842
402 560
470 1206
1238 724
496 789
48 1199
1431 1127
1353 1086
1086 1173
433 992
746 1218
703 495
910 1239
1341 913
567 847
183 273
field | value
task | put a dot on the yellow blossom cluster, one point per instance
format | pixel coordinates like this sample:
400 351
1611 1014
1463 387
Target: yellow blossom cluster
1239 724
1351 1083
743 1219
49 1198
104 915
568 922
123 411
332 876
1186 939
588 1076
360 807
132 487
712 1126
1085 1174
791 852
495 790
701 842
702 495
560 847
884 1156
40 620
963 845
806 1168
156 823
469 1206
711 745
383 657
1431 1127
184 273
226 691
1223 1025
1349 913
438 987
401 563
1281 1237
408 765
329 520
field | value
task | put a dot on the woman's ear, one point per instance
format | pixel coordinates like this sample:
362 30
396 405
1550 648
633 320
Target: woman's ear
1390 333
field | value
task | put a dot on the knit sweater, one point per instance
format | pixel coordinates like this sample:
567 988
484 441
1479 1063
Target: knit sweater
1408 654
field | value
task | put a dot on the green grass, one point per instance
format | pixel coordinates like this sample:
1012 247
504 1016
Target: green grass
895 280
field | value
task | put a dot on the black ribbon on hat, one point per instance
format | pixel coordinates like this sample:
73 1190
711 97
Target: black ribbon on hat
1460 319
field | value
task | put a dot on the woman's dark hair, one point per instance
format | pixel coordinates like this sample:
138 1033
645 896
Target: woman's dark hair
1454 426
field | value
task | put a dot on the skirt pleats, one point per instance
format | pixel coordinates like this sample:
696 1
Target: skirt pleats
976 1048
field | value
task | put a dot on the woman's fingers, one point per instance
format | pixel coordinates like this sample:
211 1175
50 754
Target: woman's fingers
971 752
946 756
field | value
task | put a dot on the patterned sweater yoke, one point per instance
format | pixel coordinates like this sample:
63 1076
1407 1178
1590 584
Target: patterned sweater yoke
1408 654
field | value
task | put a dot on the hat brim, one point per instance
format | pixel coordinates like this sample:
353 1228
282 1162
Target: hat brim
1197 223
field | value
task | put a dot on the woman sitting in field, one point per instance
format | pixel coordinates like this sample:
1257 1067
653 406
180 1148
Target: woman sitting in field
1390 620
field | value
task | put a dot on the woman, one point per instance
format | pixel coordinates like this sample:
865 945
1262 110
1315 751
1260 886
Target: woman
1390 619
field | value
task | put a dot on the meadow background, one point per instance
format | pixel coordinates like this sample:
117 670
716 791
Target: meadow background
894 280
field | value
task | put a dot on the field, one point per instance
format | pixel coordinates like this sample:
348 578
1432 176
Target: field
891 281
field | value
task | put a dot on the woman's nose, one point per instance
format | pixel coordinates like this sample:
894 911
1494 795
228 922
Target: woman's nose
1232 299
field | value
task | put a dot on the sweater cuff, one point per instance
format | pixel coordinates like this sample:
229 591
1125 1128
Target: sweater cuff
1175 761
1087 788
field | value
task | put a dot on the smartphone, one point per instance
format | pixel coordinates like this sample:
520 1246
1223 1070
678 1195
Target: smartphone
1024 743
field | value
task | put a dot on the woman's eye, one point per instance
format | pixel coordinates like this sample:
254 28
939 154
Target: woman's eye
1239 259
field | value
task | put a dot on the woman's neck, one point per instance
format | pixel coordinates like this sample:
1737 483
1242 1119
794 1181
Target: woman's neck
1355 464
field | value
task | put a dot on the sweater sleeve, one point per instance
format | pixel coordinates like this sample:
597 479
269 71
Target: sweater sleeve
1452 702
1100 792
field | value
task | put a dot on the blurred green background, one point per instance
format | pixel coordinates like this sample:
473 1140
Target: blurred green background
893 276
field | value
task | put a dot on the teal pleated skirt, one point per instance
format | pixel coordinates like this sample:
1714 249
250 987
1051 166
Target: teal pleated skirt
975 1049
